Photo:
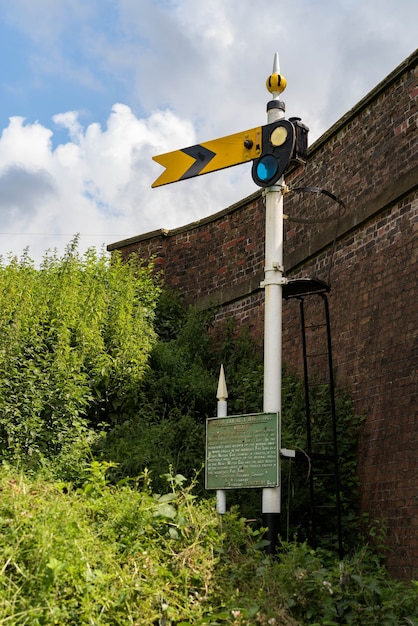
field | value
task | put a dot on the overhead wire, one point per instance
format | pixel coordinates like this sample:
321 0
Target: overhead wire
302 220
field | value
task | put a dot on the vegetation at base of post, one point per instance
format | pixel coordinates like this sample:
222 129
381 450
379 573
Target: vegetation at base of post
121 554
106 380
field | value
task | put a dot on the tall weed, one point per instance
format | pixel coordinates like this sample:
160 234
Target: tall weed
75 339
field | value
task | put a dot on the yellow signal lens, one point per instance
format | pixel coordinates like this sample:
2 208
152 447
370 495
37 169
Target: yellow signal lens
278 136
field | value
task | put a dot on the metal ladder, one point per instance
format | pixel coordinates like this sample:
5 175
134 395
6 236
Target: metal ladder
317 359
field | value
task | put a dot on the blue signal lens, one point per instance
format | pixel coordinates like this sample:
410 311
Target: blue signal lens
267 167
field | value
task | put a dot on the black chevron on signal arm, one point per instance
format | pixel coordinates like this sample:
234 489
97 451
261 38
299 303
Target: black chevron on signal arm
202 157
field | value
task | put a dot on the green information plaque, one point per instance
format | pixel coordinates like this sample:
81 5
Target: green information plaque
242 451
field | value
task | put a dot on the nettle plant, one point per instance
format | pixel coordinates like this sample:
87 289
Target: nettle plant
76 334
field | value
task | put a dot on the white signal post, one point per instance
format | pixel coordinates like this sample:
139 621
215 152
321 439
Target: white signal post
222 396
273 281
226 152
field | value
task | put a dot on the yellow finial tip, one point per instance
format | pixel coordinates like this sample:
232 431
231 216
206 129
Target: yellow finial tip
276 83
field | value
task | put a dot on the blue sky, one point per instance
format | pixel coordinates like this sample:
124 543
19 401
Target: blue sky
90 90
59 67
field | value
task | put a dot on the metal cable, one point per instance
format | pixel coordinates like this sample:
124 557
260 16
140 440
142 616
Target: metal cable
336 217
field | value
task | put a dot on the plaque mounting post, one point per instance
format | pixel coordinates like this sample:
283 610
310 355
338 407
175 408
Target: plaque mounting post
222 396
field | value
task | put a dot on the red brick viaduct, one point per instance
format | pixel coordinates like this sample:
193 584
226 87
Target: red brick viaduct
369 159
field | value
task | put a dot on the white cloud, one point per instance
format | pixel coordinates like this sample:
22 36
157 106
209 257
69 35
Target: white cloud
98 182
29 145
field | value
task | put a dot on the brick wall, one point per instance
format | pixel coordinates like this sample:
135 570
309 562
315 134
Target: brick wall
369 159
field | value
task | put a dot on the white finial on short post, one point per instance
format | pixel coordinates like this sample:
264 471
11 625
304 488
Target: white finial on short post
222 396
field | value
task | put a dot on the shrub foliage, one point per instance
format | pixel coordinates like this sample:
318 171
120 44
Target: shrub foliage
75 339
123 555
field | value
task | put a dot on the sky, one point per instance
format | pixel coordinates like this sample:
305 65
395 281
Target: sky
90 90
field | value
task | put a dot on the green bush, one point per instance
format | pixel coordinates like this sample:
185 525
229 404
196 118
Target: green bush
152 444
321 591
75 339
175 396
102 554
113 555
